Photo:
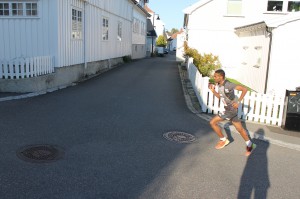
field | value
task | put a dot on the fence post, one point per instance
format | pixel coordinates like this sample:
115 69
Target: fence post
204 90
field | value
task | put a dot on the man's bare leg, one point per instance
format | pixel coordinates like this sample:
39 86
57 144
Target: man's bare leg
214 125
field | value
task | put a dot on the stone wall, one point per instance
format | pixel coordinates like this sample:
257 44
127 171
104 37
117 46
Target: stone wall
62 77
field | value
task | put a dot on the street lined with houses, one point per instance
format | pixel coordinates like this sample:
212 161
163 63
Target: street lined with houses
110 134
99 100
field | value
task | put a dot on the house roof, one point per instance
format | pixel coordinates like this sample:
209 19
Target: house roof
276 22
150 29
148 9
174 36
195 6
271 23
143 9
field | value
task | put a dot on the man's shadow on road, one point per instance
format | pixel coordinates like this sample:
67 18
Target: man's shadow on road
255 177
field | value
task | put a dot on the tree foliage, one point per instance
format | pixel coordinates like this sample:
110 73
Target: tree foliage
161 41
174 30
205 63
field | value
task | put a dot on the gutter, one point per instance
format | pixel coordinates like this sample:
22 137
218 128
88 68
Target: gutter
268 29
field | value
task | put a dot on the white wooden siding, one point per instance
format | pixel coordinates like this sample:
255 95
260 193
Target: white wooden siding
138 37
71 51
254 46
97 49
26 36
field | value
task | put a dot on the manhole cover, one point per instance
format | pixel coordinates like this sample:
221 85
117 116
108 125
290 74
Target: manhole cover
179 137
40 153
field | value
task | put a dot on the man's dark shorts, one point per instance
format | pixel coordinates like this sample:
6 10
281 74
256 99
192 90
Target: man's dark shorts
231 115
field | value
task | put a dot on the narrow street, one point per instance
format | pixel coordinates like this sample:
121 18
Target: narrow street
110 132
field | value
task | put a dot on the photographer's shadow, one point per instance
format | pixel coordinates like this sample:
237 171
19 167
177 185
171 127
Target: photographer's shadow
255 178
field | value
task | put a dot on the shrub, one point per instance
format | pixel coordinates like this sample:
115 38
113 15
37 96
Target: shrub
127 58
205 63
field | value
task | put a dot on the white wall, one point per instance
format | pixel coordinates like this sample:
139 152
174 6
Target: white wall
71 51
139 38
211 30
180 47
51 32
31 36
253 59
284 64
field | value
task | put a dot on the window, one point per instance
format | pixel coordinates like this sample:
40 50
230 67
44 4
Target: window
105 29
31 9
4 9
120 31
275 6
76 24
143 28
136 25
283 6
27 9
293 6
234 7
17 9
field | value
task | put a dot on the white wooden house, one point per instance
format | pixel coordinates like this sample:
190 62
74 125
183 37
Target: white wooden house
139 30
73 38
155 29
240 32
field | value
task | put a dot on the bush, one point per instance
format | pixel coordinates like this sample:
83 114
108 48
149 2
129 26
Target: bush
205 63
127 58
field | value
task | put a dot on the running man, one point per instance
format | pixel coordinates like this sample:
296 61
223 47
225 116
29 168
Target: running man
231 104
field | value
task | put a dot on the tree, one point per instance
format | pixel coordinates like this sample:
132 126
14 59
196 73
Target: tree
174 30
161 41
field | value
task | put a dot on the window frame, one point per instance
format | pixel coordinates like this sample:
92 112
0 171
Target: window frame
105 28
77 24
20 12
120 30
285 6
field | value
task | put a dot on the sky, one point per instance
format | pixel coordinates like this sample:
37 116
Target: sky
170 11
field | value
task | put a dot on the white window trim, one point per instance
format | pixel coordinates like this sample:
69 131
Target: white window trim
80 31
24 2
105 28
120 31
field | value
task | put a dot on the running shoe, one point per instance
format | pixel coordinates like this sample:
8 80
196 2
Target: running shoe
221 144
250 149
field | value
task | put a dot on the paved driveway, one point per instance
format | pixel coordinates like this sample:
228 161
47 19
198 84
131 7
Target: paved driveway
111 131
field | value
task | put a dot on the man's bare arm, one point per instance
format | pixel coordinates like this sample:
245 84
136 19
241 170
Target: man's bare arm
212 88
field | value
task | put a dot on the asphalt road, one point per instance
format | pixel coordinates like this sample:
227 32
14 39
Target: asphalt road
111 128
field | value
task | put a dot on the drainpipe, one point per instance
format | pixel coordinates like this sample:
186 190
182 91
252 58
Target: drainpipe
84 33
269 56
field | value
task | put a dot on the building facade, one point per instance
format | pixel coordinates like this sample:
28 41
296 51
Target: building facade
81 37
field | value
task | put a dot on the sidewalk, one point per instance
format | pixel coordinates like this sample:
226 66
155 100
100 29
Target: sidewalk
272 134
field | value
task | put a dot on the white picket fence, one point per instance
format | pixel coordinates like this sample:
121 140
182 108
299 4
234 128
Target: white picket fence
256 107
21 68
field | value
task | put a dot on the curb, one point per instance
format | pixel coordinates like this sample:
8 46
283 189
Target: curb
190 105
34 94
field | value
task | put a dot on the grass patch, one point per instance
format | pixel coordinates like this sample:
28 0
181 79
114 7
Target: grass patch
212 81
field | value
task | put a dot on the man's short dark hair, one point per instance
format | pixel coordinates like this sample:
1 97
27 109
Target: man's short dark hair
221 72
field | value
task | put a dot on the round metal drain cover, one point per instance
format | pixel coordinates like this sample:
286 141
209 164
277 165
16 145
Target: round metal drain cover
179 137
40 153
